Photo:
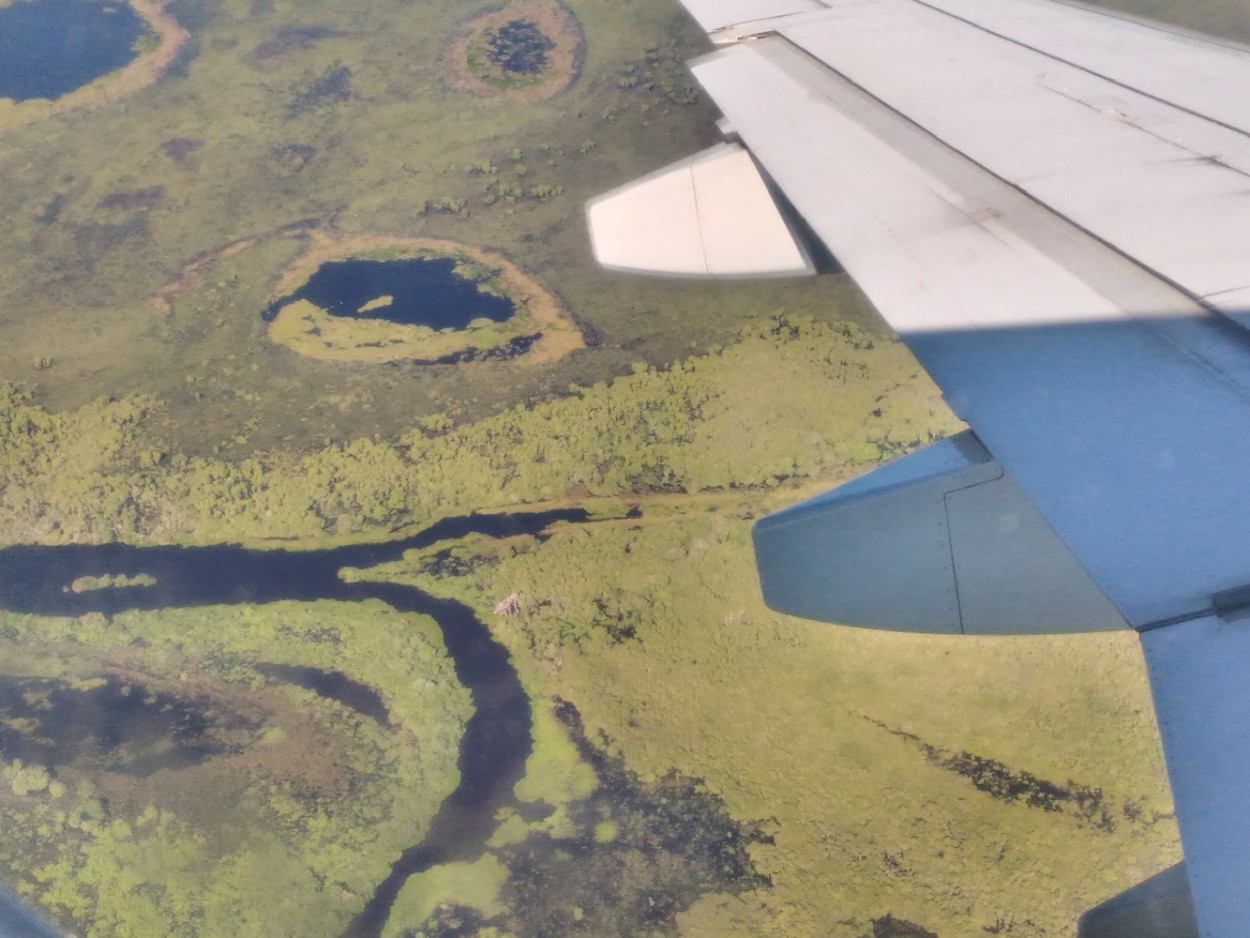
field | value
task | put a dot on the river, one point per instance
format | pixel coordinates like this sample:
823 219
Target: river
497 738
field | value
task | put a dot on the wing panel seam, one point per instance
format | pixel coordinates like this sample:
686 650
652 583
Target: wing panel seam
1203 307
1077 65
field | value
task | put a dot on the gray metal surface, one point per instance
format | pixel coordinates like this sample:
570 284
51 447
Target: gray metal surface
1198 672
937 541
1116 403
716 14
1159 907
1165 186
1197 73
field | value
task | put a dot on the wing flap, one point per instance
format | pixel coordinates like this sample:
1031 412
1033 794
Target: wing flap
940 540
708 215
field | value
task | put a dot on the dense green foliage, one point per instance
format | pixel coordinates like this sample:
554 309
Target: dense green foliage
706 424
287 821
827 736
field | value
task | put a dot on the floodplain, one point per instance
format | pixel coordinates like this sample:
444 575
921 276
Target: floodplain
692 763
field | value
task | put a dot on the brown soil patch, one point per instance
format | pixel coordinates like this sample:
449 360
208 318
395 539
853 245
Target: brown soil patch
140 73
563 61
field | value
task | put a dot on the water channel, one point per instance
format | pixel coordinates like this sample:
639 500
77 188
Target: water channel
497 738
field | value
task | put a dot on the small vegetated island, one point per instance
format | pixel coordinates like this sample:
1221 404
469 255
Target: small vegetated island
531 48
60 54
421 300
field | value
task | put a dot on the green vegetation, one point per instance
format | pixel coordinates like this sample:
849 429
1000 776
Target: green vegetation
827 737
518 47
787 778
284 826
538 328
111 581
629 856
704 425
891 771
528 47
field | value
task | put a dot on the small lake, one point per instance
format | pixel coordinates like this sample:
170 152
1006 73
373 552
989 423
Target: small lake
416 291
49 48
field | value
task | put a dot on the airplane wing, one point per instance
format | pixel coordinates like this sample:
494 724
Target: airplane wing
1051 206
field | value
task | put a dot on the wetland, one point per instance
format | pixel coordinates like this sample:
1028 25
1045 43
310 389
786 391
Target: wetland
466 640
420 300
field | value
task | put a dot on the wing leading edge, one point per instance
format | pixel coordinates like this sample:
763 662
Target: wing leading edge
1059 234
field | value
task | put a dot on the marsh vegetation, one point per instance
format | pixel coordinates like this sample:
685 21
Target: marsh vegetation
672 664
728 771
518 47
530 49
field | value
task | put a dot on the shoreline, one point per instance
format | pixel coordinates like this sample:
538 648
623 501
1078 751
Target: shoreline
142 72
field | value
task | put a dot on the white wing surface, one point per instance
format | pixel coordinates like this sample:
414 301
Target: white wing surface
1052 207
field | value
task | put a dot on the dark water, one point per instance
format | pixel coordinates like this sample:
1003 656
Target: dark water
334 685
50 47
497 738
424 292
116 725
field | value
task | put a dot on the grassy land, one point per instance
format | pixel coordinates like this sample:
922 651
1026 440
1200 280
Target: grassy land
341 117
261 808
707 424
954 783
968 786
844 743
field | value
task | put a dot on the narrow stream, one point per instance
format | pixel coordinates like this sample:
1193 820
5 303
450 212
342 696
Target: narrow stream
497 738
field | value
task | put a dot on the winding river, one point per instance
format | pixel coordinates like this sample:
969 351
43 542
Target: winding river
497 738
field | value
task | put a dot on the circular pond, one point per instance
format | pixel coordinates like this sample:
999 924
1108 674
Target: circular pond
416 299
528 49
49 48
416 291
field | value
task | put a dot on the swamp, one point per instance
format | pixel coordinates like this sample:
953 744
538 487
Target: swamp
455 631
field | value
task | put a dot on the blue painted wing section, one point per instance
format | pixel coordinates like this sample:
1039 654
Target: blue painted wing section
941 540
1159 907
1198 672
1135 450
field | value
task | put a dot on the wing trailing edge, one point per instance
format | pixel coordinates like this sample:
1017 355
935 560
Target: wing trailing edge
1159 907
1198 674
941 540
